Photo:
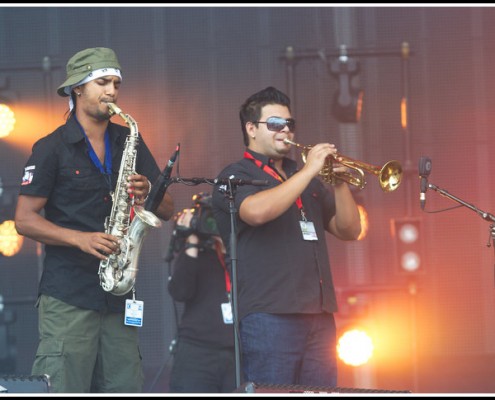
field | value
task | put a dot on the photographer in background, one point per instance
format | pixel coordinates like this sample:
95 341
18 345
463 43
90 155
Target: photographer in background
204 357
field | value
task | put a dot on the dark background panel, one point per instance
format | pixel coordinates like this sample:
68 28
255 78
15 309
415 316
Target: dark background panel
187 70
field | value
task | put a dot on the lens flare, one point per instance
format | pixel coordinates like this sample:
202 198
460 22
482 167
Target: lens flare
7 120
355 347
10 240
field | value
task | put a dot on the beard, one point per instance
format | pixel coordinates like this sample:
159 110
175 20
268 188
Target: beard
102 113
101 116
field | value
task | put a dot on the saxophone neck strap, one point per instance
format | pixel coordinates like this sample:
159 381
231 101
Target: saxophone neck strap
104 169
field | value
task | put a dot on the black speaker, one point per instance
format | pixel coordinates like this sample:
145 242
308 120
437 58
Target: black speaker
24 384
251 387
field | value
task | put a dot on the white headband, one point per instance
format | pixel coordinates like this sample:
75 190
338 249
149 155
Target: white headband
98 73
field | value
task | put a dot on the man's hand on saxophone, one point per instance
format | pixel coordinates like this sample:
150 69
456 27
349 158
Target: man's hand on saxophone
30 222
99 244
139 187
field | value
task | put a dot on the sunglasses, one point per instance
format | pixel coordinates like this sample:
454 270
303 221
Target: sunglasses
276 124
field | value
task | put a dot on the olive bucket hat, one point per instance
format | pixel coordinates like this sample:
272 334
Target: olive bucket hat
81 64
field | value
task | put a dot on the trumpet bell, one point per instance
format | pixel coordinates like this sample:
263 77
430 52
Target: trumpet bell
390 176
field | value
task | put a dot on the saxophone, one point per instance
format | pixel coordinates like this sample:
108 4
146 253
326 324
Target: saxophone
118 272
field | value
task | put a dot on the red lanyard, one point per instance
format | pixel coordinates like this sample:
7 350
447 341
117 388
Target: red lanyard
270 171
221 258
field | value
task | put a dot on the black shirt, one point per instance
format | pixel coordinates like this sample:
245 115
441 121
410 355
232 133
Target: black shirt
78 197
200 284
278 271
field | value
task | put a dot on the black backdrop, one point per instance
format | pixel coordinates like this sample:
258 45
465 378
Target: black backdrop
186 71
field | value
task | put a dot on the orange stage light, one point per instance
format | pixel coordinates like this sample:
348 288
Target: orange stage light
10 240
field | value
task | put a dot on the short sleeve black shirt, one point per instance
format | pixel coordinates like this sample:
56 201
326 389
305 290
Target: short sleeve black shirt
78 197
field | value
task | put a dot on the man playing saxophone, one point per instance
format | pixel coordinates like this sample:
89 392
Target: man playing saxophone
65 198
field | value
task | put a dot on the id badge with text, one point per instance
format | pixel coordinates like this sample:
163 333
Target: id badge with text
133 312
308 230
227 313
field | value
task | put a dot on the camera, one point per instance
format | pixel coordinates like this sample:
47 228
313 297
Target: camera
203 222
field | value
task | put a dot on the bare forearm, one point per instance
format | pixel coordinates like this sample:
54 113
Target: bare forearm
36 227
346 224
269 204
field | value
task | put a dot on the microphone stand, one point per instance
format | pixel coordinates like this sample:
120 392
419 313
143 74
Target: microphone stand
230 193
483 214
230 183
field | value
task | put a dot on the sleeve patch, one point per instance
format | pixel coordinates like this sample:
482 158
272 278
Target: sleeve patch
28 175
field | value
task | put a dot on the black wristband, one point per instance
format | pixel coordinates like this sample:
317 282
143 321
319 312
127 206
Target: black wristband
191 246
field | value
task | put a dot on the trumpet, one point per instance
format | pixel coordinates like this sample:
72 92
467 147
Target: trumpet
389 176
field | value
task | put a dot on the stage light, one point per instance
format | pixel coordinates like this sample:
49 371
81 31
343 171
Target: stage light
403 114
347 106
348 99
7 120
355 346
409 246
7 116
354 343
363 216
10 240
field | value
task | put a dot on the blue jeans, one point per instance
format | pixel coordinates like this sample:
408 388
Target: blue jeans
289 349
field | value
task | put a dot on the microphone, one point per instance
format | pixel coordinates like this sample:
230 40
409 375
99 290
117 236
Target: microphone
161 184
424 168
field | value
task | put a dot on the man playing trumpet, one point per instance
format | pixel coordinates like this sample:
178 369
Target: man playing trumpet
286 297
